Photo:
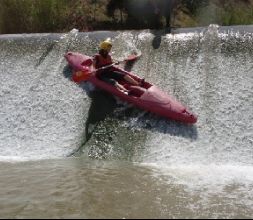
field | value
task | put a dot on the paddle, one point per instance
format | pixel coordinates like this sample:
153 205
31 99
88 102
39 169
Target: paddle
85 74
130 58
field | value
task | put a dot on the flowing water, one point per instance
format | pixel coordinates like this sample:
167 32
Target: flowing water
69 151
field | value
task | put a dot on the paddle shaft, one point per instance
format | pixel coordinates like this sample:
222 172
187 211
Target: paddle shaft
130 58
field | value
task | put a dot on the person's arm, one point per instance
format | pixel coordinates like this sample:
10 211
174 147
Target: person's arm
94 61
110 59
94 64
120 69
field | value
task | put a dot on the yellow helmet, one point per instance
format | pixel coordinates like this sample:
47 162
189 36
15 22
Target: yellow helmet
106 45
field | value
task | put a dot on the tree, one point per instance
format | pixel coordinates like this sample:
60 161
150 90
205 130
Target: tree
194 5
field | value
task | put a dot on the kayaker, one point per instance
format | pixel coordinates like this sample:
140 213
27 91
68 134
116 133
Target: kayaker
110 75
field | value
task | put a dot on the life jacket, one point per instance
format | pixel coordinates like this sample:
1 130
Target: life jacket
102 61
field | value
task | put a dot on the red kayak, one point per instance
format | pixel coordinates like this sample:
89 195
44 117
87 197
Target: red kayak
147 97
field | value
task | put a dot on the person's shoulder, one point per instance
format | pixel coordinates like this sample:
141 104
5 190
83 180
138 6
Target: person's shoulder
95 56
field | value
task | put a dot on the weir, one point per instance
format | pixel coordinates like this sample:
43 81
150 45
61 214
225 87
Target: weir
45 115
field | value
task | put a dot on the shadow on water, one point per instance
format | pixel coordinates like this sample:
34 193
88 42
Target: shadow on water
158 34
104 104
45 54
67 73
149 121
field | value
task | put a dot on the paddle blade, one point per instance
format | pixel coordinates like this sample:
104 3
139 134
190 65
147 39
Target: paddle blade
80 76
133 57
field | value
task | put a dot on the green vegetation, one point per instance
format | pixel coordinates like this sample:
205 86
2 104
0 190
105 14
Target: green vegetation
37 16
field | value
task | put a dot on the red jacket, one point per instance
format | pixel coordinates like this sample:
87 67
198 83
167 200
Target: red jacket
100 61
